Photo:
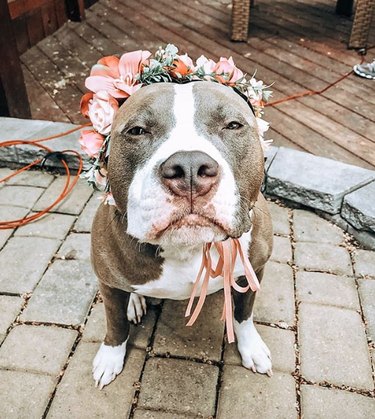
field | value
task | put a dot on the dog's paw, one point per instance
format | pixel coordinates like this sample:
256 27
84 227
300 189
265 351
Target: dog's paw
254 352
108 363
137 308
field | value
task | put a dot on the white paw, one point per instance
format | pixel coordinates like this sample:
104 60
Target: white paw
136 308
254 352
108 363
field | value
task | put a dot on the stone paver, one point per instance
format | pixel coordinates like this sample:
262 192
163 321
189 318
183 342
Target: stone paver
40 349
202 340
23 261
76 247
72 204
367 294
140 334
282 250
364 263
20 196
314 181
315 287
358 208
280 219
77 397
333 346
53 226
180 386
63 295
309 227
8 213
244 393
331 334
24 395
31 178
323 257
9 308
275 302
281 344
149 414
96 325
83 224
318 402
4 172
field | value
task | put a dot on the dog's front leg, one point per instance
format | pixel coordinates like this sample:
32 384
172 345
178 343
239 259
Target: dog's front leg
254 352
109 360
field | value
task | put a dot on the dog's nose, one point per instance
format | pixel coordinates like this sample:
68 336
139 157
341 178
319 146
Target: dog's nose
189 173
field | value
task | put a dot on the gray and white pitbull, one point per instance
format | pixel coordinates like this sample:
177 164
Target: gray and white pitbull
185 168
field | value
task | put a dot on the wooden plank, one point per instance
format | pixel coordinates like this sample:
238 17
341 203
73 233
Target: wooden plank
102 44
42 105
74 71
111 24
352 100
13 96
310 140
362 153
77 46
361 88
63 92
305 80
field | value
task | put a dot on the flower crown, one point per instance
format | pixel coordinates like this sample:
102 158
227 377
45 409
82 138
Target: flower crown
112 80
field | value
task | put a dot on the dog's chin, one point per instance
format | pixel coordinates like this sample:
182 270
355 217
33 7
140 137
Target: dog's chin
190 236
191 230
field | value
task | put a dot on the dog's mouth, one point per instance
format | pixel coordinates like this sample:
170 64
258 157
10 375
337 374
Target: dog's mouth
193 222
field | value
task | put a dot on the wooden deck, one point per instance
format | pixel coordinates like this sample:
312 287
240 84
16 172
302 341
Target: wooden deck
297 44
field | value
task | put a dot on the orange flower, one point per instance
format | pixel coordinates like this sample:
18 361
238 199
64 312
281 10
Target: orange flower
182 66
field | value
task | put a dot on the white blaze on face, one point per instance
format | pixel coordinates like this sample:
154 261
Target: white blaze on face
150 206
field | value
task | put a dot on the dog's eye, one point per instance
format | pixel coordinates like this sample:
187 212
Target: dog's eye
233 125
136 131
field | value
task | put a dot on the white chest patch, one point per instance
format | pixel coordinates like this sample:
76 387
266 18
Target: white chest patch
178 276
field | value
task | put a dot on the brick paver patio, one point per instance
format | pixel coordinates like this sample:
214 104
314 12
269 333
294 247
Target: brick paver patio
316 312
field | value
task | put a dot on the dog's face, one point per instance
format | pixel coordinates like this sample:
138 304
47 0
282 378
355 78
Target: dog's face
185 163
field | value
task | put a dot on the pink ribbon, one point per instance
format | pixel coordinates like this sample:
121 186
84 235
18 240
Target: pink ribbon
228 251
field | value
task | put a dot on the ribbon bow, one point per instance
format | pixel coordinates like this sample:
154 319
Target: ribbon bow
228 251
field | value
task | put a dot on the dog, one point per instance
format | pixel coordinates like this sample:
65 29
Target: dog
185 168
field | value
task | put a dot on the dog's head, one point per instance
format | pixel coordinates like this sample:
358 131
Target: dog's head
185 164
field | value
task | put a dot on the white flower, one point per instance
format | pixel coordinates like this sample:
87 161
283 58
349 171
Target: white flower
262 126
205 65
256 84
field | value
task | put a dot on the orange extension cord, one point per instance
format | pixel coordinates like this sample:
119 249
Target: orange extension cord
69 185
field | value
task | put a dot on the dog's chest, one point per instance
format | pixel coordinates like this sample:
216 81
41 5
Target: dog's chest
178 276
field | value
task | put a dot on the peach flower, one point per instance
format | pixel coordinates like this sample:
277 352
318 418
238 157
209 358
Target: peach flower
118 76
226 72
100 108
91 142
